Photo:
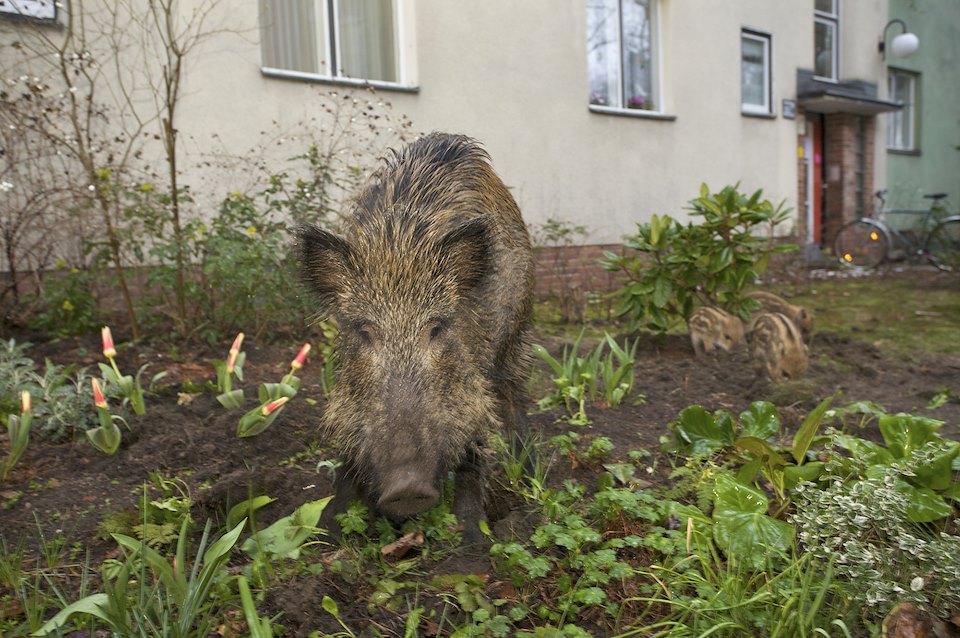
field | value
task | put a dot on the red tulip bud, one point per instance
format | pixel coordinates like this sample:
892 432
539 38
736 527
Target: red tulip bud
98 398
297 363
108 350
272 407
234 352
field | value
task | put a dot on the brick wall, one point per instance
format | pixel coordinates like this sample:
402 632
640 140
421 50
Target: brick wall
841 155
574 267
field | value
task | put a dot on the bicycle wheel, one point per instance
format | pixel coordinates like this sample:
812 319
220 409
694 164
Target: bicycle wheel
943 245
861 244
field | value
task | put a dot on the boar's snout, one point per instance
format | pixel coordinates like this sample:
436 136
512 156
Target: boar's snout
406 493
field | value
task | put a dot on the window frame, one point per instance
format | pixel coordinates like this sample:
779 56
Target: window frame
909 110
330 39
51 14
830 19
767 40
656 81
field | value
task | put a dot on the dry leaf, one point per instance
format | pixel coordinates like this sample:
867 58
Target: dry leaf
399 547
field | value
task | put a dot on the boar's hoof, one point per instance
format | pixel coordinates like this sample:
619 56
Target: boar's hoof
406 496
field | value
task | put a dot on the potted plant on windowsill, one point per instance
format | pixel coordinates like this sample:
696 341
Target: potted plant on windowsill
640 103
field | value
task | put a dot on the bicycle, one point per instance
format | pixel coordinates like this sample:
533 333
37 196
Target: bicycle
867 242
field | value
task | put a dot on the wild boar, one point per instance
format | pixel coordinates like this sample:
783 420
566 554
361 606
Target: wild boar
712 328
431 284
777 348
769 302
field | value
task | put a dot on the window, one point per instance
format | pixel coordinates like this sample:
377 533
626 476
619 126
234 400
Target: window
825 30
622 54
755 72
345 39
40 9
902 124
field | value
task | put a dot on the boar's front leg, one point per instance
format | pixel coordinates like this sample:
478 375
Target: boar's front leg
469 485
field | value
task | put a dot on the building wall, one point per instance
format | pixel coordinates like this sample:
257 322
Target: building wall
937 166
514 76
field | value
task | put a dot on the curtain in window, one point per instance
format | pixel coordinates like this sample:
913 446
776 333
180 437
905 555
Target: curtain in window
637 54
603 52
367 40
752 72
288 35
824 45
900 124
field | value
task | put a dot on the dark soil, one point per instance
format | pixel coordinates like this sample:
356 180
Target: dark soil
67 489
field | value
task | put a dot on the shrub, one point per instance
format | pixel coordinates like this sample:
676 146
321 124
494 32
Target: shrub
61 408
65 303
244 278
676 268
884 558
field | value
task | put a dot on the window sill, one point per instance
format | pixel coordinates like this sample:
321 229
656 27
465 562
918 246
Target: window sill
637 113
347 82
913 152
762 116
49 23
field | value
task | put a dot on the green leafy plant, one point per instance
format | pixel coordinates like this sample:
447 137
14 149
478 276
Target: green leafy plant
129 385
865 529
706 594
587 543
226 371
273 396
18 429
285 537
107 437
741 526
61 409
65 303
259 627
926 463
179 602
578 378
681 267
16 369
696 431
616 371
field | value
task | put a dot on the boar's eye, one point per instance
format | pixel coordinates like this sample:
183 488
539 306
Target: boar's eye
365 335
436 329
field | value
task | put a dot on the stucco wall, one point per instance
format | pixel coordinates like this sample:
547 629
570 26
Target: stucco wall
937 166
514 75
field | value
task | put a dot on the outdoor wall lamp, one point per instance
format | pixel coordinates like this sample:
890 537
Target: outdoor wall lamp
903 45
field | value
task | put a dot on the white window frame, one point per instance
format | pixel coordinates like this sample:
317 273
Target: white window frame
767 40
35 9
330 8
832 20
656 84
907 116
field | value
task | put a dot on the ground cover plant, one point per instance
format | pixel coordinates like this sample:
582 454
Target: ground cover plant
665 496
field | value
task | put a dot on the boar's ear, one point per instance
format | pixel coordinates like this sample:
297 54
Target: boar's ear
323 262
467 251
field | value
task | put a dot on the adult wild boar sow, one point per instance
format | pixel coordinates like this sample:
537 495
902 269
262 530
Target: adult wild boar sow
431 284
